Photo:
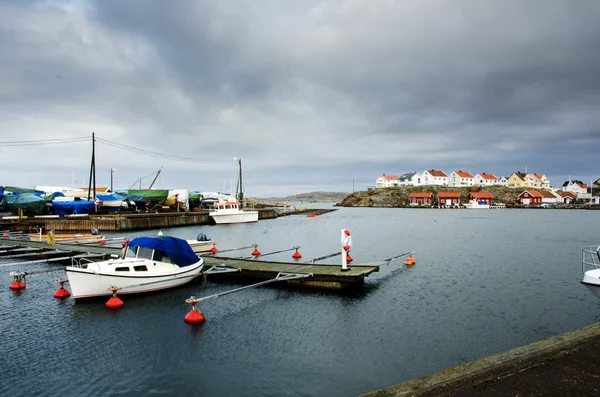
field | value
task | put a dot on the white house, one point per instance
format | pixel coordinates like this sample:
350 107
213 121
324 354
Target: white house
434 177
484 179
542 180
461 179
502 181
577 187
406 179
417 179
386 181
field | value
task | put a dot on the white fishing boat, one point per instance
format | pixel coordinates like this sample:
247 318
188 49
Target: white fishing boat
590 267
146 264
230 212
477 204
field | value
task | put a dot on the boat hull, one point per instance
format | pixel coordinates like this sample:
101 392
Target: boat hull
591 279
240 217
201 246
88 284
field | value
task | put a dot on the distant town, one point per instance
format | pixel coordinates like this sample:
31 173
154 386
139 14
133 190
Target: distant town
537 188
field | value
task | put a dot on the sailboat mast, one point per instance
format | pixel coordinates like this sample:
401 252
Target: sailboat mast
94 167
241 199
91 169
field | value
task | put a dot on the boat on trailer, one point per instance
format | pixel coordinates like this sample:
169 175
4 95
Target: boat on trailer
146 264
590 267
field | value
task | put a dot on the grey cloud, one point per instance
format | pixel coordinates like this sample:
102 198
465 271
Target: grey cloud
311 91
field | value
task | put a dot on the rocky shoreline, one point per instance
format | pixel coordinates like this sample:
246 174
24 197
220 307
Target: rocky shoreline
398 197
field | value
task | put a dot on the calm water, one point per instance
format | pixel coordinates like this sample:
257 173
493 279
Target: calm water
484 282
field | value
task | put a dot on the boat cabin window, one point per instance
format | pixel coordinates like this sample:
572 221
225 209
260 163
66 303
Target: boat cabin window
141 268
122 269
161 257
144 252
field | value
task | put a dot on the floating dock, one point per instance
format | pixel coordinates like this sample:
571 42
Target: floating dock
321 275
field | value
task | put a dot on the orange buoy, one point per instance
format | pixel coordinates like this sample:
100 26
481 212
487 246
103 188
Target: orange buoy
194 316
410 260
61 292
256 252
102 242
296 255
213 249
5 235
17 284
114 302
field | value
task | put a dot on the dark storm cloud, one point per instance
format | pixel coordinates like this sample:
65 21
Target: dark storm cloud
309 93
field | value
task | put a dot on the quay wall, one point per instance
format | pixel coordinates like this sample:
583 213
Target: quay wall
118 222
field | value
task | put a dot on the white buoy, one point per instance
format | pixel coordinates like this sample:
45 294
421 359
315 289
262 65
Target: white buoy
346 241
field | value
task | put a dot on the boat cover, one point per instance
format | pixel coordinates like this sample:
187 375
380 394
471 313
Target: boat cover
73 207
177 249
30 203
110 197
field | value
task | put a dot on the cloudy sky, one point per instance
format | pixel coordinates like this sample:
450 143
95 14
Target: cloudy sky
311 95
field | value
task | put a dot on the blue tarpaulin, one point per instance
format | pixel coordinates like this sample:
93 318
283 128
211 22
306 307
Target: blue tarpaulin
72 207
177 249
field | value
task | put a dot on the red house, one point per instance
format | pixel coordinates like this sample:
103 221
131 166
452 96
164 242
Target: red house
448 199
481 196
530 197
421 198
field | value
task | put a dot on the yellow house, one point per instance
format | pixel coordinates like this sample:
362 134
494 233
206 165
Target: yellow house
517 180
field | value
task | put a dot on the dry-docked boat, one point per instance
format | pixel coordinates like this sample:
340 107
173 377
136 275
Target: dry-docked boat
590 267
230 212
146 264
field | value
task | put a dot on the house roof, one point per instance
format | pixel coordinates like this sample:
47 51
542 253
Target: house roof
532 193
389 177
420 195
540 177
520 175
407 175
565 194
481 195
547 194
464 174
490 177
449 194
437 173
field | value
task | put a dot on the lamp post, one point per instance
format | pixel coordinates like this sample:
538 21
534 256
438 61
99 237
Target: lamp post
240 193
112 171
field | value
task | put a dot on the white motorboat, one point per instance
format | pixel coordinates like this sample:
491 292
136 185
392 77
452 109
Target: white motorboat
146 264
201 244
477 204
590 267
229 212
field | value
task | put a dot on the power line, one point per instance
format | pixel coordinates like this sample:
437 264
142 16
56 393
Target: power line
45 141
156 154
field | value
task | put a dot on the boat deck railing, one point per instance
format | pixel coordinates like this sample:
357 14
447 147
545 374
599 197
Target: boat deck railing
590 258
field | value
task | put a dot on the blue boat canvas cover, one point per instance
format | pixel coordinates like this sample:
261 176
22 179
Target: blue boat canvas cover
177 249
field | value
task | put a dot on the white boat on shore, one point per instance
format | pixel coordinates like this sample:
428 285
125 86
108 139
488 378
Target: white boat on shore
477 204
229 212
146 264
590 267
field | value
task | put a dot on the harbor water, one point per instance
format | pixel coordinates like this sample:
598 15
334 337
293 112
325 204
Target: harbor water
485 281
